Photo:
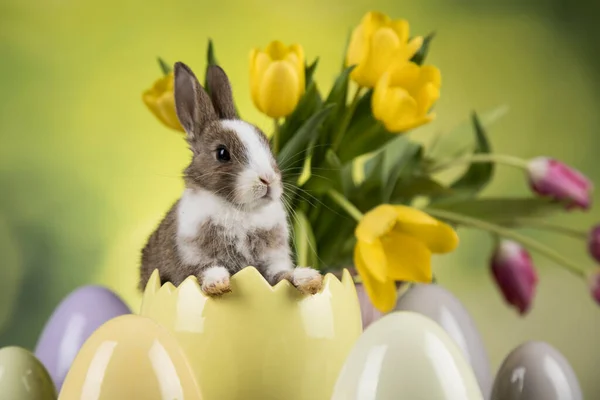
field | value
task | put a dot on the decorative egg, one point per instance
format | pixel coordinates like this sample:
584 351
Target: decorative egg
536 371
131 357
405 355
73 321
23 377
440 305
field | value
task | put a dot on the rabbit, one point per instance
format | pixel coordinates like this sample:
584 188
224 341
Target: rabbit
230 214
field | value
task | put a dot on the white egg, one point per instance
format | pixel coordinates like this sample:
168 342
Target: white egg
406 355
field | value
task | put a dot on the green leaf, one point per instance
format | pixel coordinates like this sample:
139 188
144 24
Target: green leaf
339 90
337 97
295 149
210 54
210 60
344 66
400 157
477 175
420 185
420 55
449 143
308 105
329 176
364 136
164 67
309 71
502 210
304 241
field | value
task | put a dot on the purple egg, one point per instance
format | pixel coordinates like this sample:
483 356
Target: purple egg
73 321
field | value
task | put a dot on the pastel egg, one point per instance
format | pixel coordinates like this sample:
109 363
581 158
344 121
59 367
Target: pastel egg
131 357
73 321
23 377
405 355
536 371
440 305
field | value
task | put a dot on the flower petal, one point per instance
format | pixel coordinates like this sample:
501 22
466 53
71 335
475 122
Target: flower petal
277 50
166 106
383 47
374 258
413 46
426 98
376 223
278 93
402 29
383 295
431 74
408 259
400 110
436 235
260 63
296 56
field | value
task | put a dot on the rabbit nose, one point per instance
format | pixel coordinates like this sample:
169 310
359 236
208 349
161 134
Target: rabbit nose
264 180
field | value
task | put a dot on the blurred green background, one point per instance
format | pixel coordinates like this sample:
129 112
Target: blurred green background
86 171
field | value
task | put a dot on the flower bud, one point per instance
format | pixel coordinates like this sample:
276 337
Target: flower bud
161 102
514 274
277 78
375 43
404 96
549 177
594 284
594 243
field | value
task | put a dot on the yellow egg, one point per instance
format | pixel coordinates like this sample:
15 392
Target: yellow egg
406 355
130 357
259 341
23 377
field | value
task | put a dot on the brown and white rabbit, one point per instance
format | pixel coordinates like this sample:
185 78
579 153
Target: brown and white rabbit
230 214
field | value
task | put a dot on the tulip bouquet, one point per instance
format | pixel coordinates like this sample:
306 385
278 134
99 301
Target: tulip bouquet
362 191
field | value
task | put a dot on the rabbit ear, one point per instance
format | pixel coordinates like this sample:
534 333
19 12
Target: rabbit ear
192 103
220 92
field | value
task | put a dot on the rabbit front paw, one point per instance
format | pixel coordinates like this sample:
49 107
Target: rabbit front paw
307 280
215 281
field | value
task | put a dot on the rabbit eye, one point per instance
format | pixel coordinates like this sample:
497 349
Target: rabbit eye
223 154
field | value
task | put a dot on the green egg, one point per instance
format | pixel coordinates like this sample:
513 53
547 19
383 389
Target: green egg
23 377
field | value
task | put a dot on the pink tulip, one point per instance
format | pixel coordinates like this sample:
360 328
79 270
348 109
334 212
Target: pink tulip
594 282
368 311
594 242
514 274
552 178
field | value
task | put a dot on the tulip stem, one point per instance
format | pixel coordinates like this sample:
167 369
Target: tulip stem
481 158
510 234
339 134
343 202
548 226
275 136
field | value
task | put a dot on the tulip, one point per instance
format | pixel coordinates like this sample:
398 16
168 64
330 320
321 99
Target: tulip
395 243
514 274
594 284
552 178
594 243
277 78
160 100
375 43
404 96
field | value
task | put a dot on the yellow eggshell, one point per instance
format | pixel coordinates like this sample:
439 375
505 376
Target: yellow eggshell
23 377
259 341
130 357
406 355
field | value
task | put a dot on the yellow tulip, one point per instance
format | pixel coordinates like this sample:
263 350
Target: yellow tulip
405 94
395 243
375 43
277 78
161 101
